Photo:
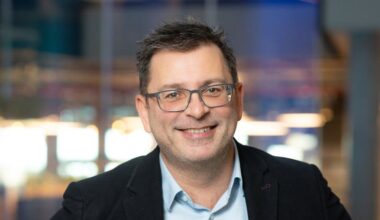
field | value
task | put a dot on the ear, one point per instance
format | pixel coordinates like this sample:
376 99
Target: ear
142 109
239 93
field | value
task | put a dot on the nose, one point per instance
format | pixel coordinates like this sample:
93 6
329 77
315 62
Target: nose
196 108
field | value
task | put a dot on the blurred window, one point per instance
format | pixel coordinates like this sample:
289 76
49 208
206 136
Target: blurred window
78 169
122 146
22 151
77 144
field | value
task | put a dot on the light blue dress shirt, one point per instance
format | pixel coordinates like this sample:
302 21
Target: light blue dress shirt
179 206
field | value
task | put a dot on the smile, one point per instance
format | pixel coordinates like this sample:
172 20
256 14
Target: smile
198 131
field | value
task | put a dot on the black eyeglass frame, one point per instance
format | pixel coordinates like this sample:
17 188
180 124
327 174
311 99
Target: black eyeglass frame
230 87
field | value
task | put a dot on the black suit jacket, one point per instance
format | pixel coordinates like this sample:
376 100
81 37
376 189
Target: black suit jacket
275 189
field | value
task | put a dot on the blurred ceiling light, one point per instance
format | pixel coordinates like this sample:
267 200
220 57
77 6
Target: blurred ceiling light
286 151
52 127
127 124
302 141
17 124
302 120
262 128
78 170
48 124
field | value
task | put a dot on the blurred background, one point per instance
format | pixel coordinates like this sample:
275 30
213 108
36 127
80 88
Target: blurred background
68 81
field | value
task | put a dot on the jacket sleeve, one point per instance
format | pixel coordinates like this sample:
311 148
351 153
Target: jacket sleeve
72 205
334 210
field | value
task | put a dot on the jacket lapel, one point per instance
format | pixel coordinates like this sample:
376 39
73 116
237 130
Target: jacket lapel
142 198
260 187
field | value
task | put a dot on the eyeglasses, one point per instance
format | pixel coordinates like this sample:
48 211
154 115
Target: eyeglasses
177 100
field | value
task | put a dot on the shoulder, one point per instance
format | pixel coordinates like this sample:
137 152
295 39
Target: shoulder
107 185
300 184
118 178
95 197
284 169
114 179
252 153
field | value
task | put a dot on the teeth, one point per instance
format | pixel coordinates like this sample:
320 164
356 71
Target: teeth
198 131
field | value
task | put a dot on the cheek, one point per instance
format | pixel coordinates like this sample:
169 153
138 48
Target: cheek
236 110
229 113
227 118
160 120
154 120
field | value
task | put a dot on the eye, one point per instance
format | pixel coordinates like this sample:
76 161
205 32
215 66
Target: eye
213 90
172 95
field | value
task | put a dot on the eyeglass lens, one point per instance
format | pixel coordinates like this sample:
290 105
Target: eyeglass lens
178 100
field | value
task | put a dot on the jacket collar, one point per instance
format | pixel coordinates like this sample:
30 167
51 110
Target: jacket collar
260 186
142 197
145 190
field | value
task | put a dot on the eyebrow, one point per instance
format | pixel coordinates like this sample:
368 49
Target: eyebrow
181 85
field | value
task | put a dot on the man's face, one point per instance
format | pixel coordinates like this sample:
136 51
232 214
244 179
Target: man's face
199 133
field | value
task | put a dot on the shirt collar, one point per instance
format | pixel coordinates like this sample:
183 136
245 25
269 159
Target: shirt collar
171 189
236 177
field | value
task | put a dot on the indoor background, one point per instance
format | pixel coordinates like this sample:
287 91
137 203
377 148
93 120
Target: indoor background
68 80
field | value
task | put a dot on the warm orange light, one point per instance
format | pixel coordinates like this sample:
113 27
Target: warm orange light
302 120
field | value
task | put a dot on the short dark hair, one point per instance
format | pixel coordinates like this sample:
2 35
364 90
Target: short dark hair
181 36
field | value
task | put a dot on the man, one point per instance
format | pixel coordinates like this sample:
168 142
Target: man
191 100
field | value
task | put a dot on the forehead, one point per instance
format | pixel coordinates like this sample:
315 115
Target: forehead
189 69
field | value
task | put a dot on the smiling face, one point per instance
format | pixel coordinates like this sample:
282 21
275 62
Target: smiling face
198 134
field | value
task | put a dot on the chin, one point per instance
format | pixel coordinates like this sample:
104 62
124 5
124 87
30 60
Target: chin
204 155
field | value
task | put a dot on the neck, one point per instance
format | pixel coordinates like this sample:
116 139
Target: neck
204 182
